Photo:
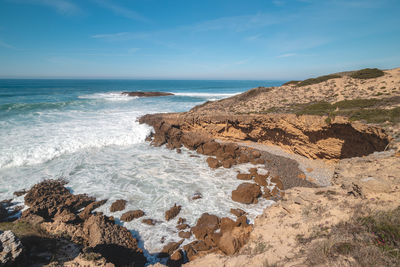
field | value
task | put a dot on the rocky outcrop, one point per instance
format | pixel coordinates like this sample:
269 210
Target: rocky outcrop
247 193
146 94
310 136
11 249
53 208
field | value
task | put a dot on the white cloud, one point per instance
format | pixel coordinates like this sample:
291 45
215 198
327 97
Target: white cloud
287 55
122 11
62 6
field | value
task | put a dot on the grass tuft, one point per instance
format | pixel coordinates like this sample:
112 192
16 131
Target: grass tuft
318 79
367 74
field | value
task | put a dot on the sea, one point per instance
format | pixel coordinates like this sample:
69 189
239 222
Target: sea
86 132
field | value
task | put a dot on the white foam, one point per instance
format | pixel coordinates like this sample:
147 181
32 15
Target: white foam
113 96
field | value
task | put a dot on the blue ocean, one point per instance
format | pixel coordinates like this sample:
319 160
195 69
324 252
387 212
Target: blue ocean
86 132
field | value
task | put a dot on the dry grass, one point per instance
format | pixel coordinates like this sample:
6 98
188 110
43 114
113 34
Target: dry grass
372 240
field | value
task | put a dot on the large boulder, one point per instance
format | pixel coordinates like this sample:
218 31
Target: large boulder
246 193
11 249
213 163
130 215
205 225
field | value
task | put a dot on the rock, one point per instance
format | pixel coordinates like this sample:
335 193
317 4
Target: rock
267 193
89 208
20 193
197 196
3 213
193 140
213 163
257 161
182 226
172 212
238 212
178 150
255 154
29 217
227 163
181 220
130 215
246 193
253 171
65 216
11 249
278 182
243 158
261 180
149 221
176 259
232 241
244 176
205 225
118 205
50 197
171 247
146 94
113 241
183 234
210 148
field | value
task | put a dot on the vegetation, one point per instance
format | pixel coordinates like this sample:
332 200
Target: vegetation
357 109
318 80
372 240
291 82
367 74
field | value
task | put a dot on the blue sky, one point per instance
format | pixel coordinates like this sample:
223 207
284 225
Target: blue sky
149 39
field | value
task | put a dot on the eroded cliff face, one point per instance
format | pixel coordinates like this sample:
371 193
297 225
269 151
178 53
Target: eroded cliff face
309 136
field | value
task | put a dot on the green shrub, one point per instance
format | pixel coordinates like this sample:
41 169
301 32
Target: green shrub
367 74
291 82
318 79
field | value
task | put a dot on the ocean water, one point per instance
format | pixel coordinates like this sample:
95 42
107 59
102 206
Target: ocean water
87 133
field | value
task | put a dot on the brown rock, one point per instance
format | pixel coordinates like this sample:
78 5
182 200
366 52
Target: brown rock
210 148
267 193
171 247
205 225
197 196
255 154
244 176
213 163
182 226
89 208
172 212
243 158
176 259
181 220
183 234
118 205
278 182
113 241
238 212
253 171
65 216
257 161
20 193
149 221
227 163
301 176
50 197
233 240
146 94
246 193
133 214
261 180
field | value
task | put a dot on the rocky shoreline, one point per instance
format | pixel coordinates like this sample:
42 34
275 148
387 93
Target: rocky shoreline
61 228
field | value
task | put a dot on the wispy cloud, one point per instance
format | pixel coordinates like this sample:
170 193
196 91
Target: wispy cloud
120 36
6 45
122 11
287 55
62 6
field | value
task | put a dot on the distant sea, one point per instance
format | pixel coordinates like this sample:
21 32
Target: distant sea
85 131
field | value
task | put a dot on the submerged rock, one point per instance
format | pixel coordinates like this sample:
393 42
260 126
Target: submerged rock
118 205
172 212
146 94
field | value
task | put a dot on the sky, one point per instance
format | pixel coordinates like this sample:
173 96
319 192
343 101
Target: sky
193 39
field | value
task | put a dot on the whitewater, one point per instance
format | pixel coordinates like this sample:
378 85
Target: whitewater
86 132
